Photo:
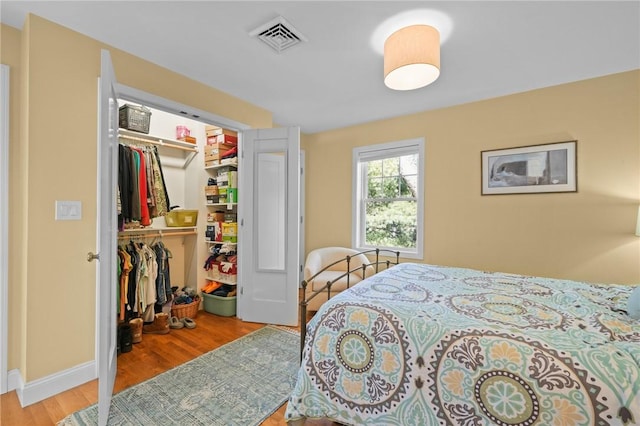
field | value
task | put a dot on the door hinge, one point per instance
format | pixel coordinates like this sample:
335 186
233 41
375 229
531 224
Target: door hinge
241 222
241 290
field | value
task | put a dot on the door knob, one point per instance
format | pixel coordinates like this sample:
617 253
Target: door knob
91 256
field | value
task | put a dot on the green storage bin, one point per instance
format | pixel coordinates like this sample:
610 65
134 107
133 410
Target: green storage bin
223 306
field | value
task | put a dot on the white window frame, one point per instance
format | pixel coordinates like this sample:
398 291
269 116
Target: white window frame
376 152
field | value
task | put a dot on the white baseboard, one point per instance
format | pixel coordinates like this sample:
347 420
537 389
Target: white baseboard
14 380
37 390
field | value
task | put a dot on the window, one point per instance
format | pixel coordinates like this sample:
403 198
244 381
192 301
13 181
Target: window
388 197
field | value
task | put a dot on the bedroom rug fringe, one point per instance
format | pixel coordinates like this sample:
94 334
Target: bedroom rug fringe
240 383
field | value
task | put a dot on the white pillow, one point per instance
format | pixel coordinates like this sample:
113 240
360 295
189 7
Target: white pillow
633 305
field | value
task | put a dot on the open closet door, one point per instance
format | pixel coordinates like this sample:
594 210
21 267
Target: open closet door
107 236
4 224
269 226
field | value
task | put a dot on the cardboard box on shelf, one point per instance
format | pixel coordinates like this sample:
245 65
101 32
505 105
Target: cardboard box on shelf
214 231
229 139
189 139
216 217
224 147
232 178
227 178
232 195
215 130
211 190
230 232
213 153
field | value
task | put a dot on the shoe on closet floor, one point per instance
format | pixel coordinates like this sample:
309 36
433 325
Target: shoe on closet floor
188 322
136 329
160 325
126 338
175 323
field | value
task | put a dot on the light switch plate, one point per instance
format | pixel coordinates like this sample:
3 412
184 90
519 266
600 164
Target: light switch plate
68 210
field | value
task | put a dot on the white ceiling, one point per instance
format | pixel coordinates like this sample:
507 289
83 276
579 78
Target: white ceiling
334 79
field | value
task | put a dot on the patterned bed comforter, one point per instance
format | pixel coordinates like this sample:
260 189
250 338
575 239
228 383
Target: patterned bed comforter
428 345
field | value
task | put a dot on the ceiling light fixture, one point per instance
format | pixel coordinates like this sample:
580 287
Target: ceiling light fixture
412 57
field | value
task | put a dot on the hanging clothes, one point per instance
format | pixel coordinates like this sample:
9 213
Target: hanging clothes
163 280
142 191
124 186
132 282
144 282
135 184
151 195
146 295
145 220
123 281
160 188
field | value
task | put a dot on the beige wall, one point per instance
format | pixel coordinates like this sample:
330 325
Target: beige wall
586 235
53 326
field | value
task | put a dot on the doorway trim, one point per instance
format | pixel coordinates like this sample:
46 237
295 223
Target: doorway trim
4 225
148 99
303 224
157 102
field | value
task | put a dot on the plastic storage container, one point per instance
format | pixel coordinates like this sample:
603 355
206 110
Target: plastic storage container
181 218
223 306
133 117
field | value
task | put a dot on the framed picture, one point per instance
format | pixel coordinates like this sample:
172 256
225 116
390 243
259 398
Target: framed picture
530 169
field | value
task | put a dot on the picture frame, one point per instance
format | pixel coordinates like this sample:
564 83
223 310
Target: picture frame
530 169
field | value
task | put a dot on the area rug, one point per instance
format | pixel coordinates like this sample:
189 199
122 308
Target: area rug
240 383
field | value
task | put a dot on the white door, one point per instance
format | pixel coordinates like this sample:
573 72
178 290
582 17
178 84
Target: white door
4 224
107 236
269 216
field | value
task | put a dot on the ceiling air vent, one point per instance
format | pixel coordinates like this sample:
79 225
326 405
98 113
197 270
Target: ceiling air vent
278 34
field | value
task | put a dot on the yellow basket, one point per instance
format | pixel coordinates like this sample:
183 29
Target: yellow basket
181 218
186 310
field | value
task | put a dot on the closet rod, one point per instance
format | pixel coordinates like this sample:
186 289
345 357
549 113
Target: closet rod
159 233
158 142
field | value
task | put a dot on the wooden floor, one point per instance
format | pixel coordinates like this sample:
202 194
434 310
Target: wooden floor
155 354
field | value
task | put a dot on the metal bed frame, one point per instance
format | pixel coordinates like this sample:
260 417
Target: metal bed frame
327 287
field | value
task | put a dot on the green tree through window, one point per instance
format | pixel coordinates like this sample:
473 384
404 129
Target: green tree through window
390 204
388 196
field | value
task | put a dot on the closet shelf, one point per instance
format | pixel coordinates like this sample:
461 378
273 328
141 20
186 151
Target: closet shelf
142 137
232 163
163 142
229 205
220 242
158 232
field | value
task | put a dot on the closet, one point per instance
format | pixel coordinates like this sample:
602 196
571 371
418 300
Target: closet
263 295
186 177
